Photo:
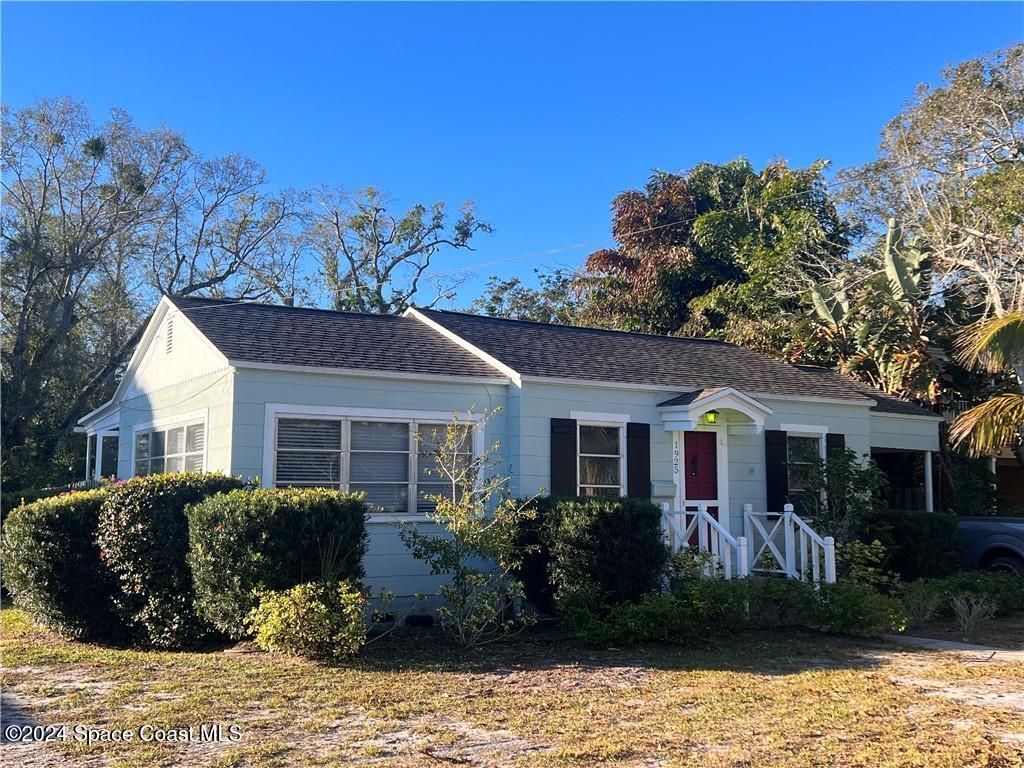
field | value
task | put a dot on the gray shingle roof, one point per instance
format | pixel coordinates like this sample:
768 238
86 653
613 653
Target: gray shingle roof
561 351
691 397
266 333
884 403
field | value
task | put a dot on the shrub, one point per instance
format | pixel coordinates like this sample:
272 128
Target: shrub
921 603
244 541
143 538
318 620
10 500
776 603
851 608
701 609
614 544
52 566
483 599
971 611
922 544
1004 590
863 562
535 557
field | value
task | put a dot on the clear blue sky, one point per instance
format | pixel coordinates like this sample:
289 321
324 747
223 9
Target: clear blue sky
539 113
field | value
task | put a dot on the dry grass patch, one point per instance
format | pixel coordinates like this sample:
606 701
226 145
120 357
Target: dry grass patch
756 700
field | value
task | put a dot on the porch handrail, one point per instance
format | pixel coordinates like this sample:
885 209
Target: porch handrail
806 555
712 537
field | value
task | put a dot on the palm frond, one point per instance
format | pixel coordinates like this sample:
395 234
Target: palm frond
986 428
996 343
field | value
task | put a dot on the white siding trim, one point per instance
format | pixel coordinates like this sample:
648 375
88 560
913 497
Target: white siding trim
804 430
200 414
612 419
367 373
915 416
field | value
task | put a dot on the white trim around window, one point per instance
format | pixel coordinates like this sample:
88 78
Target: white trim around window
167 423
274 412
616 421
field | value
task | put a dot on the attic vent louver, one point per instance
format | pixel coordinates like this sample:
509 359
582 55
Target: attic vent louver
169 336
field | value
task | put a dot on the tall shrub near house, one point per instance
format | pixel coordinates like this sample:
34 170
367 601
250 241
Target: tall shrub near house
52 567
477 545
602 551
143 539
246 542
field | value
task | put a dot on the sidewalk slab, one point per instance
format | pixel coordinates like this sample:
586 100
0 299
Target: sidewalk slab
978 651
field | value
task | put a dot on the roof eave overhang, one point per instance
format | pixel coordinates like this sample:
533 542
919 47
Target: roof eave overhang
371 373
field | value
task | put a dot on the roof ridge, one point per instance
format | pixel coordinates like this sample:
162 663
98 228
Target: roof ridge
580 327
264 305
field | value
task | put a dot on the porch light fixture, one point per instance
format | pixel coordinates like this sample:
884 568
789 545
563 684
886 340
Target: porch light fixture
711 417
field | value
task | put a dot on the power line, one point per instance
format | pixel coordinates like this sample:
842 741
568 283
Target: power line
558 249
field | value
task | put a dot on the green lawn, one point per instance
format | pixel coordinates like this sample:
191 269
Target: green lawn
756 700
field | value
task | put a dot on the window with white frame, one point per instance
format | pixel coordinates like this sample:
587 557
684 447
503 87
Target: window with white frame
178 448
394 462
599 460
803 456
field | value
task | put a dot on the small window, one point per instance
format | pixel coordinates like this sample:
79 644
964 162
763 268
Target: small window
379 464
175 449
308 452
600 460
803 455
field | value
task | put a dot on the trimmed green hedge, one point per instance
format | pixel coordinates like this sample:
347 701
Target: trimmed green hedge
248 541
922 544
143 538
612 546
52 565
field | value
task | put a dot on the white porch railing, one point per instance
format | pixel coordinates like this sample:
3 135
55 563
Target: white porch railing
773 542
782 542
727 551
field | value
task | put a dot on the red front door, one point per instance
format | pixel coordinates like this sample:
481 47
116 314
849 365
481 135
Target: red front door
700 470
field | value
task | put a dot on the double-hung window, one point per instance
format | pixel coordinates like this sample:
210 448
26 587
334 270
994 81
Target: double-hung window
179 448
394 462
600 460
803 457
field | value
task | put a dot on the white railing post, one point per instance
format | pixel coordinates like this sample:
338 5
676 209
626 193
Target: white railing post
830 560
787 529
702 536
748 531
666 526
743 568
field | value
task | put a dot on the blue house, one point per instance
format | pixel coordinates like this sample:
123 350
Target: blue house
720 436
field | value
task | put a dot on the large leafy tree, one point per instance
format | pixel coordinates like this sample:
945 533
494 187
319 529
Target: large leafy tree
98 220
376 260
951 170
722 250
552 301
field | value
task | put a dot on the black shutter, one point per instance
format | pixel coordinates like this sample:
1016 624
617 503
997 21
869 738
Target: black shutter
835 444
563 457
638 460
775 472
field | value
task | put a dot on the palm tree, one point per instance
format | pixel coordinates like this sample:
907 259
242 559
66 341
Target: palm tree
996 344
